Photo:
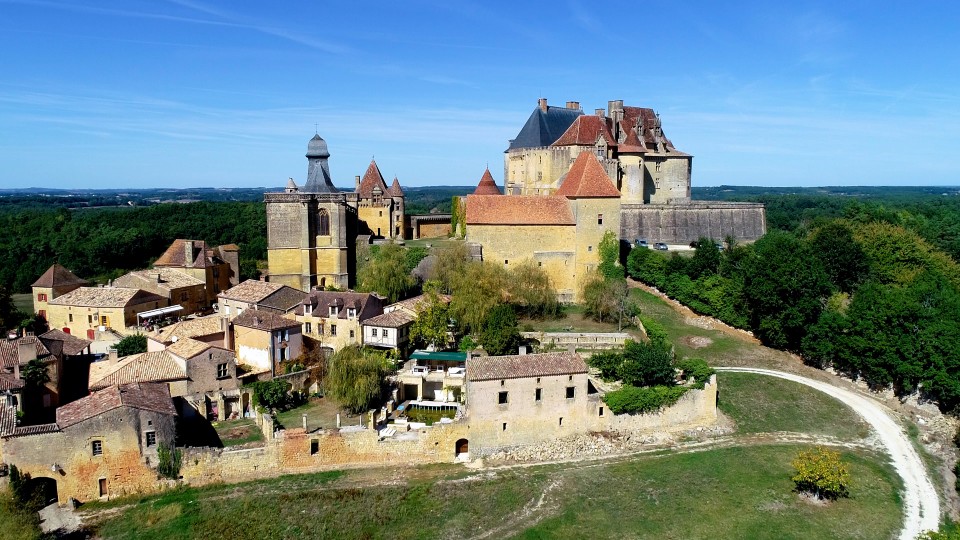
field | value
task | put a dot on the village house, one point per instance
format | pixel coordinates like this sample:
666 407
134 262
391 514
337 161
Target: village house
217 267
149 367
265 342
252 293
100 446
87 311
212 329
391 330
181 290
66 359
334 319
432 376
56 281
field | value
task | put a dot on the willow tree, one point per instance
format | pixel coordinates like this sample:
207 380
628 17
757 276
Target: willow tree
355 378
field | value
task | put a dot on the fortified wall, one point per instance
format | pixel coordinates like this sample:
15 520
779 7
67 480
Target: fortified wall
685 223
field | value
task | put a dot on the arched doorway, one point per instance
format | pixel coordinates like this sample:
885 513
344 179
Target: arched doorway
42 489
461 448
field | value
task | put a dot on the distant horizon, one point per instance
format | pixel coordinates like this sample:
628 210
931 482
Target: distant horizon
188 92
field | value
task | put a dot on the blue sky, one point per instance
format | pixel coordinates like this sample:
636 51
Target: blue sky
157 93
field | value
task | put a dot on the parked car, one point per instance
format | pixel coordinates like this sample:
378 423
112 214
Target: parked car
641 243
660 246
719 245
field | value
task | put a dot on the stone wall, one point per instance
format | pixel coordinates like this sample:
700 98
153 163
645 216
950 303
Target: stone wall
685 223
579 340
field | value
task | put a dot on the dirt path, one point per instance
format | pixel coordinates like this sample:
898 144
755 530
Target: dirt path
921 504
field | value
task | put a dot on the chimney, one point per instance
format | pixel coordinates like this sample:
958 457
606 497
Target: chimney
112 356
542 103
227 333
575 105
357 180
157 275
616 110
26 350
600 112
188 253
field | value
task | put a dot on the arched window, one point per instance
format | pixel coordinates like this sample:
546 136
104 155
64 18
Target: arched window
323 228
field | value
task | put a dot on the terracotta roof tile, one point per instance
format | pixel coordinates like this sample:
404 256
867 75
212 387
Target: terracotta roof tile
264 320
518 210
163 277
175 255
190 328
586 130
372 179
10 356
37 429
58 276
283 300
8 419
145 367
148 397
394 319
485 368
105 297
187 348
586 178
251 290
395 189
487 185
9 382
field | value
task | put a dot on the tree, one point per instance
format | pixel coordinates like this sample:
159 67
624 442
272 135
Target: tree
34 374
451 262
10 316
132 344
387 274
355 377
500 335
271 394
476 290
841 256
705 260
433 318
168 461
606 298
646 364
609 252
821 473
531 291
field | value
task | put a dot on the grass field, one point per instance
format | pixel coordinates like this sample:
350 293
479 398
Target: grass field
760 404
236 432
721 493
14 522
23 302
321 413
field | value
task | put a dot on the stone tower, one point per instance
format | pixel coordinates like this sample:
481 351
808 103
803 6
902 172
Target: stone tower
311 231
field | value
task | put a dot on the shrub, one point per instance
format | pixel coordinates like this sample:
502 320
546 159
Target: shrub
608 362
696 368
630 399
271 394
134 344
655 331
822 473
168 461
646 364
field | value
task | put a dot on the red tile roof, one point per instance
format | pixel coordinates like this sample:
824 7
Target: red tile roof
58 276
518 210
586 130
486 368
148 397
487 185
9 382
10 356
148 367
372 179
586 178
395 189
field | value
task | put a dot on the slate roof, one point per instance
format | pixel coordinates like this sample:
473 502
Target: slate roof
585 131
145 367
318 170
251 291
372 179
9 356
544 127
395 189
163 277
105 297
586 178
64 343
366 304
394 319
486 368
190 328
519 210
58 276
487 185
264 320
283 300
148 397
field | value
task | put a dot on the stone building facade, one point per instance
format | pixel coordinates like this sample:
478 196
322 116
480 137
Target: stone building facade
218 267
83 311
312 230
56 281
334 319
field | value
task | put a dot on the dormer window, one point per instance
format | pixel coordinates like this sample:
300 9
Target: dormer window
334 311
351 313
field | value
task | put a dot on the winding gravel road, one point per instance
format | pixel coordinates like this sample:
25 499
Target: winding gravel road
921 504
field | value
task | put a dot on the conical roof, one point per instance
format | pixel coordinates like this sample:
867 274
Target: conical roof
395 189
372 179
317 147
58 276
586 178
487 185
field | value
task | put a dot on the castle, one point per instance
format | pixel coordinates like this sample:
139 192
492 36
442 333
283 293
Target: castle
312 230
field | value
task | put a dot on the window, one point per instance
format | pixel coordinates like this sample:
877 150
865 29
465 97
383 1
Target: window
506 262
380 214
374 332
351 333
504 426
538 380
569 377
561 421
351 313
539 395
41 297
589 248
307 328
601 411
539 263
70 317
104 321
385 333
222 372
184 296
314 447
658 166
151 438
502 398
334 311
599 219
333 329
571 391
89 319
281 353
323 223
503 383
320 329
97 448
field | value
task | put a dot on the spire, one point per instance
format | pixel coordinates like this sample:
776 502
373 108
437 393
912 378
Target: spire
395 189
318 170
372 180
487 185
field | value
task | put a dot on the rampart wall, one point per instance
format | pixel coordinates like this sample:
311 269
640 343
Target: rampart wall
685 223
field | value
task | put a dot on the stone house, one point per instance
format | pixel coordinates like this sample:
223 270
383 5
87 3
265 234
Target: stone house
56 281
217 267
391 330
265 342
178 287
211 389
211 329
149 367
334 319
87 310
252 293
561 232
527 399
66 358
100 446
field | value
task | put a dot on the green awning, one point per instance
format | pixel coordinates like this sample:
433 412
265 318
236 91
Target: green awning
451 356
